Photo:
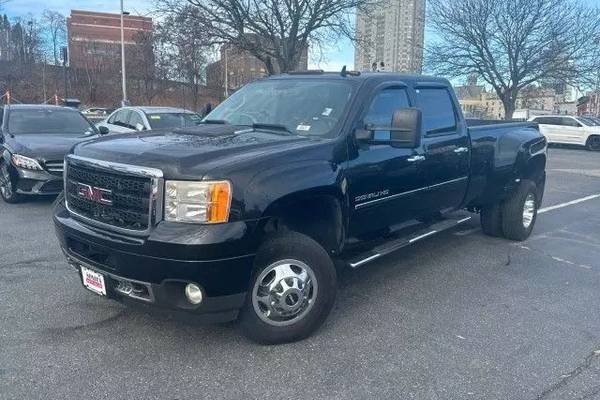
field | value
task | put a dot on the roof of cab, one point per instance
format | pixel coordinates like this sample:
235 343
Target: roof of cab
364 76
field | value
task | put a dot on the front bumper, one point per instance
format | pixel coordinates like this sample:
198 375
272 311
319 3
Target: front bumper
218 258
38 182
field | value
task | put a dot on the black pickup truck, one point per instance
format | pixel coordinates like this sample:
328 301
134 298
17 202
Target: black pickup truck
249 215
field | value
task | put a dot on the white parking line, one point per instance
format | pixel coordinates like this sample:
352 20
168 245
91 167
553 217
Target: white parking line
568 203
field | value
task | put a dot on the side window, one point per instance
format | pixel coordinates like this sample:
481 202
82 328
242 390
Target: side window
382 108
437 108
135 119
554 121
1 116
569 122
113 118
123 119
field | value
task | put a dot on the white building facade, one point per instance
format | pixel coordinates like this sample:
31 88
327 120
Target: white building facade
393 33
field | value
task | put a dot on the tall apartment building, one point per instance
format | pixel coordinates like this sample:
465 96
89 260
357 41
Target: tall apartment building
393 33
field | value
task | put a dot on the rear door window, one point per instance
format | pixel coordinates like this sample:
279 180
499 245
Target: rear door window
438 111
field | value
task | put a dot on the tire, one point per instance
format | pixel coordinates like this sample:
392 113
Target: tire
8 184
593 143
289 257
491 219
522 203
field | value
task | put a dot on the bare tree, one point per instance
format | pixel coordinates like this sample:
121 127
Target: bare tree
513 43
274 31
56 30
186 47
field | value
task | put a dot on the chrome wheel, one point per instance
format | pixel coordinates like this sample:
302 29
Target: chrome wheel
528 210
5 182
284 292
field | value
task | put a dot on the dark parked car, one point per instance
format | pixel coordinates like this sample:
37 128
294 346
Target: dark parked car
33 142
243 216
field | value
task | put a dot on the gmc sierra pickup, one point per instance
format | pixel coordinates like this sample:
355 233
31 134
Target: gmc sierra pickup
244 216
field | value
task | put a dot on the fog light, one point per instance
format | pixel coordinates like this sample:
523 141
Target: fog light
193 293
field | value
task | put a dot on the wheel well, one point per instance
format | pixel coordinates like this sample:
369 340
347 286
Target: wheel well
319 217
535 168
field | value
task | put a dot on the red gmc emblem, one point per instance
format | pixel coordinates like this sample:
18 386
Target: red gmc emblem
95 194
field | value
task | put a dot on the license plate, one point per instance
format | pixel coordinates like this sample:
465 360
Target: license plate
93 281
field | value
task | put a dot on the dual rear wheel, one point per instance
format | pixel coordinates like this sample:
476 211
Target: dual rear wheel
515 217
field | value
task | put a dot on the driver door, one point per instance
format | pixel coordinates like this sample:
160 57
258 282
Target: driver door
386 184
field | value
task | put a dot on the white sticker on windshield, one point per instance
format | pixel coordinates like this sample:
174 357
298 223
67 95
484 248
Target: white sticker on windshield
326 112
303 127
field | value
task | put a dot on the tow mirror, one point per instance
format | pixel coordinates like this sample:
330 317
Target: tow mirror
103 130
404 130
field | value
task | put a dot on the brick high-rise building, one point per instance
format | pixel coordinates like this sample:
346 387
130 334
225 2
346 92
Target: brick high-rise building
95 37
393 33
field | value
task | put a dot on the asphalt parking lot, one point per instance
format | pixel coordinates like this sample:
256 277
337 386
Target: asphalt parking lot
460 316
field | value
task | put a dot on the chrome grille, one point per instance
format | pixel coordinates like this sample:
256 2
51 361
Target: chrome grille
55 167
115 196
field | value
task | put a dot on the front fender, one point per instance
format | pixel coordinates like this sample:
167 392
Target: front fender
301 178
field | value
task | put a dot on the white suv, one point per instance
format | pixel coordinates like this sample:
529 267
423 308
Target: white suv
134 119
566 129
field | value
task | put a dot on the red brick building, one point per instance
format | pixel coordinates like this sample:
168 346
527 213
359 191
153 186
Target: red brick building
242 67
94 38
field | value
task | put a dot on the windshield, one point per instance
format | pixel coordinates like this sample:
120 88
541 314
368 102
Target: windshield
304 107
22 122
172 120
588 121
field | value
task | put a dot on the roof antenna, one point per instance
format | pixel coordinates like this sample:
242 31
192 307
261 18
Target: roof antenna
343 73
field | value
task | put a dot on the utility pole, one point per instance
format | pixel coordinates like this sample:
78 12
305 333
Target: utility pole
226 76
124 101
65 54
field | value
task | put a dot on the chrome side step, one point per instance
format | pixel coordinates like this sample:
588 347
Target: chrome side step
398 243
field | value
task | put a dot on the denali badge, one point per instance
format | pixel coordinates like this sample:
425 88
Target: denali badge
97 195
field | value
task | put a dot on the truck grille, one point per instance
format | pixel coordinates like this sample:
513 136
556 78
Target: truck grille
111 197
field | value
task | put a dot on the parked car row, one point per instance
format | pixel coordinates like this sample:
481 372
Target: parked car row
35 138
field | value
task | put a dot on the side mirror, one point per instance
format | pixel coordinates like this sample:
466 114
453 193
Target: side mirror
103 130
405 130
139 127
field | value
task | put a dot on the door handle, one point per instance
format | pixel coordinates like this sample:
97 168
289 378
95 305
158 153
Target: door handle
461 150
415 158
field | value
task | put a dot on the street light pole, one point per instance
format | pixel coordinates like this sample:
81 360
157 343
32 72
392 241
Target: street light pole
124 101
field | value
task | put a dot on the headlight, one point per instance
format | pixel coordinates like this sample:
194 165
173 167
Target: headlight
25 162
197 202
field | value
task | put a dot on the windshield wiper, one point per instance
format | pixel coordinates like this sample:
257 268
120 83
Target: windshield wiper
272 127
214 121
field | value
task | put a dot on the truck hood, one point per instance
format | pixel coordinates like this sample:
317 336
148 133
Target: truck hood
190 153
42 146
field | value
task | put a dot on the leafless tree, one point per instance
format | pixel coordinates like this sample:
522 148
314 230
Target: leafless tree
511 44
276 32
56 29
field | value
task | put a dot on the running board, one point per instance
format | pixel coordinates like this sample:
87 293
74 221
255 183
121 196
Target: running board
398 243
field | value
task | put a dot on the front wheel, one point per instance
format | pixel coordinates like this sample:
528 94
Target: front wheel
8 185
292 290
519 211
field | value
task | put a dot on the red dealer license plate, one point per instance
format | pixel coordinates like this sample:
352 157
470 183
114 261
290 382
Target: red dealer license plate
93 281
